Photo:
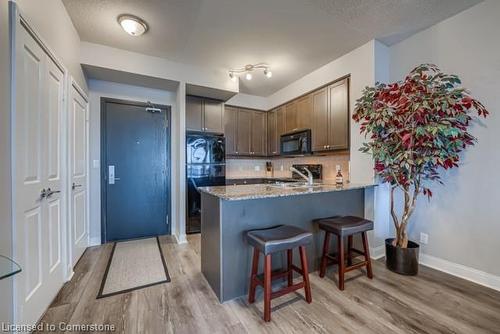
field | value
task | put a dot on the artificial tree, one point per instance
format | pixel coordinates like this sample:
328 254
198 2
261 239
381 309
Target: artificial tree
416 127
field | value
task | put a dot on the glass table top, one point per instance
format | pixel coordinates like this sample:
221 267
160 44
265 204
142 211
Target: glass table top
8 267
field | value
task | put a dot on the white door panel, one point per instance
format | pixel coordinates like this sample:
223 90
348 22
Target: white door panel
78 116
37 167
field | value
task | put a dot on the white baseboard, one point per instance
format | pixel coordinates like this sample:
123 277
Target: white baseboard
96 241
180 239
377 252
455 269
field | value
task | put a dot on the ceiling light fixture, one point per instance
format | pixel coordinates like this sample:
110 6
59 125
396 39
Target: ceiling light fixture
132 25
248 69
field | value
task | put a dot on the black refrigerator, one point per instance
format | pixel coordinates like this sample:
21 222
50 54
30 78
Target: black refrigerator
205 166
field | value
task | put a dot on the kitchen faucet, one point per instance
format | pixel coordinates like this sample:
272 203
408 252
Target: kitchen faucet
308 178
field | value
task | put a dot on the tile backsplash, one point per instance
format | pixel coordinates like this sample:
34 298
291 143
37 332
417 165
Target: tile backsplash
254 168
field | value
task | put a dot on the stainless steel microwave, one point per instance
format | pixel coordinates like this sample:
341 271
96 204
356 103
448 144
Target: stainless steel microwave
296 143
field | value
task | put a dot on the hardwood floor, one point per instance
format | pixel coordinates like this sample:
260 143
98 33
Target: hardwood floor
432 302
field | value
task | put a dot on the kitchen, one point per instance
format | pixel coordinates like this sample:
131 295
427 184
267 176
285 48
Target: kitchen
180 167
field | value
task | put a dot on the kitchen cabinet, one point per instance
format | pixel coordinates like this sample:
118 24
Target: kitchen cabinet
272 133
280 122
291 116
338 124
194 113
245 131
304 112
230 129
259 134
320 120
330 109
204 114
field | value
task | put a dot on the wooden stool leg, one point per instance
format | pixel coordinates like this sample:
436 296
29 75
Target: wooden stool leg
289 266
324 258
349 247
305 274
340 256
267 288
368 260
253 275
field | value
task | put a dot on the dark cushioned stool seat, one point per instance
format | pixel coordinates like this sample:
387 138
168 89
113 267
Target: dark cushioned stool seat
347 225
278 238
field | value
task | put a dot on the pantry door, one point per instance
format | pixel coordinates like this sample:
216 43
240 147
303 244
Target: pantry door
78 173
37 177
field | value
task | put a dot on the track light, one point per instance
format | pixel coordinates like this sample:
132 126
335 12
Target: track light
248 69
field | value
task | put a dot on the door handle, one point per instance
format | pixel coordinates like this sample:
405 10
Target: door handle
51 192
74 186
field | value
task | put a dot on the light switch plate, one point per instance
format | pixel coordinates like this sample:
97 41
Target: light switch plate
424 238
257 168
95 163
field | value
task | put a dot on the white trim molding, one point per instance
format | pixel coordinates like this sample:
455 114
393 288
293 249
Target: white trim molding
94 241
377 252
459 270
180 238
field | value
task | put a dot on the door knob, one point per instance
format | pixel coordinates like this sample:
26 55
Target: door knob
74 186
51 192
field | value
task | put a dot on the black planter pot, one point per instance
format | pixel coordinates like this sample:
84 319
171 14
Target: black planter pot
403 261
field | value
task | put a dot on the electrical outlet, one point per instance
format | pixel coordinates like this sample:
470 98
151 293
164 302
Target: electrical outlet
282 168
424 238
257 168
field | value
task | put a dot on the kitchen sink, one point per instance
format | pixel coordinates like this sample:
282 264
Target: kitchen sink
295 185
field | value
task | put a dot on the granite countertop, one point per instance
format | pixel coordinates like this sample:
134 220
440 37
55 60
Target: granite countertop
258 191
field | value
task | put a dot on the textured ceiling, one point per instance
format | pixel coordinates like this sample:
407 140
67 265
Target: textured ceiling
293 36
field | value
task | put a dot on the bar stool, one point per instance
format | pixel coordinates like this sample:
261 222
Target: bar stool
272 240
346 226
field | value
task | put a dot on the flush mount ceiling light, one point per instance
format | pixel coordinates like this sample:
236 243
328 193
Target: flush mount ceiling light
248 69
132 25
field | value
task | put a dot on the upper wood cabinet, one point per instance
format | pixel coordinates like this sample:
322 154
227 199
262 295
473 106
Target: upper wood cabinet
320 120
194 113
259 131
230 129
272 133
245 131
291 116
204 114
330 107
304 112
338 132
280 122
213 116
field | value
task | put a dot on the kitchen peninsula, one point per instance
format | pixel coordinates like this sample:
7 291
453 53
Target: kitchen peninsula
229 211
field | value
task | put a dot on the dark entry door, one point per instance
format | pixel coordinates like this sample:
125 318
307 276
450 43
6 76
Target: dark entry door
135 170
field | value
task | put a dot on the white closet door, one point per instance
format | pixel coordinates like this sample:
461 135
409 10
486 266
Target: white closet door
78 206
37 231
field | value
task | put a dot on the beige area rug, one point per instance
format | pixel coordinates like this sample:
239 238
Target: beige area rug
132 265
